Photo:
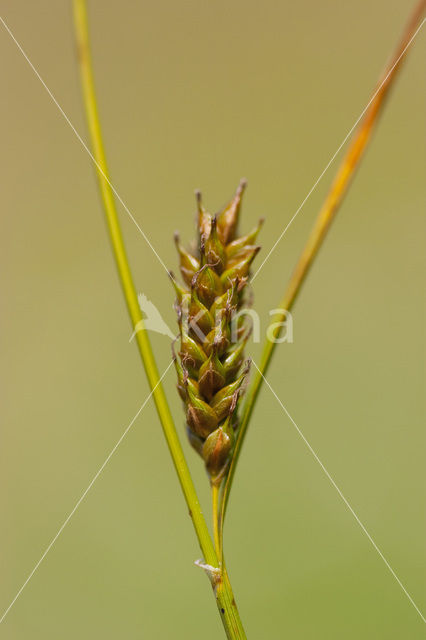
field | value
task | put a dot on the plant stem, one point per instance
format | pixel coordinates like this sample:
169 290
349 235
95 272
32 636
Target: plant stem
222 588
321 226
215 518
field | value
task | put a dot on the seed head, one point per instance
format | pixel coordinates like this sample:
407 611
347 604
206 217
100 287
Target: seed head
209 362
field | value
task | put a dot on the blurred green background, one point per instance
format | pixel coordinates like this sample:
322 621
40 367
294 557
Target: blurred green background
198 94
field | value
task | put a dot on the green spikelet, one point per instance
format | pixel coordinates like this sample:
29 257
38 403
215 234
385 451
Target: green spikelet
208 365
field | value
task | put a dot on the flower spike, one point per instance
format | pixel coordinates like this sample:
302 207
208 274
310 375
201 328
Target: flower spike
208 364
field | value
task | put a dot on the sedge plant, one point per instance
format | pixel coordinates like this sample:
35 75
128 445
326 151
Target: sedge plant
208 353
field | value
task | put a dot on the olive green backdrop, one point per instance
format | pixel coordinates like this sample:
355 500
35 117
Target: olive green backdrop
198 94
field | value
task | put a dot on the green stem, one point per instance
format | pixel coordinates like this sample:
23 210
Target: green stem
215 518
321 226
222 588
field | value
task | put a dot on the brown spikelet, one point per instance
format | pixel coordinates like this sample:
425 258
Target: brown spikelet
212 339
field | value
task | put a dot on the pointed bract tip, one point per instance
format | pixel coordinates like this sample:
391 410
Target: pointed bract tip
242 186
